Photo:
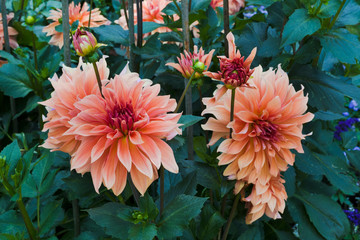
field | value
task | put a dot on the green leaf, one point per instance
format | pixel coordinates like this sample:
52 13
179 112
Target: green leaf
254 232
327 116
290 181
189 120
13 155
349 15
11 222
14 81
265 3
143 231
354 158
210 223
31 104
42 168
148 206
350 139
149 26
342 44
112 217
307 163
329 9
297 212
177 215
112 33
199 5
300 24
327 216
325 92
50 215
59 28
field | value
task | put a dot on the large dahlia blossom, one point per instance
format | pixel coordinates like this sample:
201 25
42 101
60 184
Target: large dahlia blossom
234 5
234 70
76 13
268 122
111 136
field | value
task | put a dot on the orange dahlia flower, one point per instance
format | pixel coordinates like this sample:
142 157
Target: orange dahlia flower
268 120
12 35
76 13
112 136
234 5
187 60
234 71
73 85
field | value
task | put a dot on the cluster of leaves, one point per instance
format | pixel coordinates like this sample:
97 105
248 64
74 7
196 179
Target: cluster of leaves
315 41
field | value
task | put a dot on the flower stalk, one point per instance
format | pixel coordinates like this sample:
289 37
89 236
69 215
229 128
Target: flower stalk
98 78
184 92
231 217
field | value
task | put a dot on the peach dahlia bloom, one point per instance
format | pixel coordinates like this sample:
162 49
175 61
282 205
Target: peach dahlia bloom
111 136
12 35
234 5
73 85
234 71
268 121
75 13
187 60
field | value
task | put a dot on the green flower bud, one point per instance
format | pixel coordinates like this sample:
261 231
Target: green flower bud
199 67
30 20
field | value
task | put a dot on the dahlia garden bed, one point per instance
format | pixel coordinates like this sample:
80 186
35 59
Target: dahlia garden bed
180 119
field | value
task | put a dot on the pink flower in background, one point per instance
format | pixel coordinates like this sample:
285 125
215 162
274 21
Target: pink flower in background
12 35
268 122
234 71
151 13
186 61
73 85
234 5
76 13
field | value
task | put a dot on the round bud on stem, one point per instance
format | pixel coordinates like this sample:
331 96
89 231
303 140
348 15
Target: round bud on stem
199 67
84 43
30 20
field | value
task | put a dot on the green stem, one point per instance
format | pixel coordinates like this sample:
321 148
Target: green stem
29 226
125 12
337 14
184 92
177 6
91 3
38 212
76 213
162 173
226 25
318 8
35 52
232 214
98 78
232 107
134 191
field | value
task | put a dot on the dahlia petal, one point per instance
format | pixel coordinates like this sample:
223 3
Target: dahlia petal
96 169
250 58
151 150
246 116
123 153
141 181
140 161
231 45
108 170
120 183
99 148
167 156
135 138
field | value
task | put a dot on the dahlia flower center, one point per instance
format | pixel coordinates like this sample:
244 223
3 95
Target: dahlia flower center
266 131
234 72
122 117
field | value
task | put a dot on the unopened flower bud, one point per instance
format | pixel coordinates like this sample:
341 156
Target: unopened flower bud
199 67
30 20
85 43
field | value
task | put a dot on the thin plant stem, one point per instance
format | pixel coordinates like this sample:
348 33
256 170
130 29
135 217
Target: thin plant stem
21 9
76 217
184 92
38 212
337 14
35 52
233 92
232 214
66 32
177 6
139 23
226 25
125 13
7 49
98 78
162 173
136 194
318 8
131 35
91 3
